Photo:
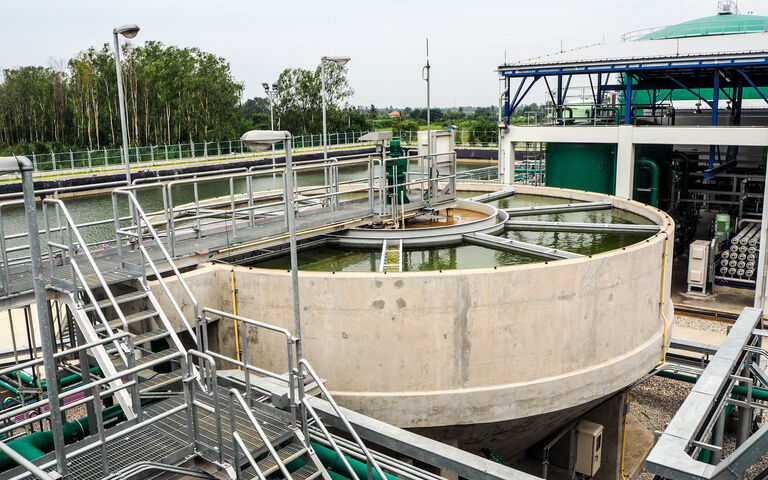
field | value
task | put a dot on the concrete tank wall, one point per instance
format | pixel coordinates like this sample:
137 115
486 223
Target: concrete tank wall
427 349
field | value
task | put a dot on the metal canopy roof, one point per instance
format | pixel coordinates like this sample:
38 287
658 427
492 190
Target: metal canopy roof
742 50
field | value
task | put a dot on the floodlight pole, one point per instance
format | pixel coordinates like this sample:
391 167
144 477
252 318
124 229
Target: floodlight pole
123 118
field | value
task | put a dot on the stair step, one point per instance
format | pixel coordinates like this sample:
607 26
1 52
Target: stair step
128 297
143 360
307 472
159 381
132 318
150 336
111 277
287 454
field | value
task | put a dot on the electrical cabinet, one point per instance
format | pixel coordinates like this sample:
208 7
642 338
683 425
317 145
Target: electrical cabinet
698 266
589 449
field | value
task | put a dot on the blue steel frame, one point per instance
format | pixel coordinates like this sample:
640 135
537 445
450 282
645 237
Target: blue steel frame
716 67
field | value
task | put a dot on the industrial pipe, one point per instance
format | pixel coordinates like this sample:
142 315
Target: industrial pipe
741 390
653 170
37 444
332 461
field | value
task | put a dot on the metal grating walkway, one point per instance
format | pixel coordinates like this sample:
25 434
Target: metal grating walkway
176 426
164 440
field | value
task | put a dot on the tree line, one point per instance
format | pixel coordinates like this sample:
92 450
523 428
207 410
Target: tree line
172 94
175 94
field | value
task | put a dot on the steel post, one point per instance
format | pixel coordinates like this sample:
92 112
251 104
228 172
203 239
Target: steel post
123 118
43 314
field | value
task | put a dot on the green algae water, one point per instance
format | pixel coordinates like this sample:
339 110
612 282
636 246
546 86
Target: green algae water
346 259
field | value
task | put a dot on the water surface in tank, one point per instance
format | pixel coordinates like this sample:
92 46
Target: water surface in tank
347 259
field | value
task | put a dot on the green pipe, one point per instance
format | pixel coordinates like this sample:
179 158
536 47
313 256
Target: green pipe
653 168
37 444
72 379
741 390
332 462
9 387
64 382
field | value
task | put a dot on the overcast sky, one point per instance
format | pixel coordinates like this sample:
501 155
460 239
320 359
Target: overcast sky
386 39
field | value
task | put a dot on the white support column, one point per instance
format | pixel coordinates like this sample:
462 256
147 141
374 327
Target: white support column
625 162
506 158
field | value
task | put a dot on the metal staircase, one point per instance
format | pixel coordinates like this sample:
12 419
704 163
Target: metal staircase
113 298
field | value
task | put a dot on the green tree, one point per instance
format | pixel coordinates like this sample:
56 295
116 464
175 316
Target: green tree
299 101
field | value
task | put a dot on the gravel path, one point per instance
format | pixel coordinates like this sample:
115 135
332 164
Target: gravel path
655 401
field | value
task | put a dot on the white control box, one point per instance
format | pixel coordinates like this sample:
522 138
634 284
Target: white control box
698 266
589 450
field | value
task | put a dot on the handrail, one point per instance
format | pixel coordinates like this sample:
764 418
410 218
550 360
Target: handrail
153 233
76 232
34 469
98 383
330 440
290 341
371 461
235 396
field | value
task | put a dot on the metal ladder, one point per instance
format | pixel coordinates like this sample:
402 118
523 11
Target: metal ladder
391 257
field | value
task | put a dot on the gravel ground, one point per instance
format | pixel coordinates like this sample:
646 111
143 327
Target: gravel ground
654 402
699 324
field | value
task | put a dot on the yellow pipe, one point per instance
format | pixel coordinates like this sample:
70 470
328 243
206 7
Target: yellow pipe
624 437
624 476
661 304
234 311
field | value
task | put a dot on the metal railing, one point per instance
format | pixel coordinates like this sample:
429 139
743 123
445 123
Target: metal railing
461 138
67 257
136 231
93 391
235 398
242 361
350 179
171 154
304 366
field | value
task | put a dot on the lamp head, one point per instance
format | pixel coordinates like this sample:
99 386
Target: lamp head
339 60
129 30
266 87
260 140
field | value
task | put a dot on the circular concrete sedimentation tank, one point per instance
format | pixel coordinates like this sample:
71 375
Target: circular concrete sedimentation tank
471 355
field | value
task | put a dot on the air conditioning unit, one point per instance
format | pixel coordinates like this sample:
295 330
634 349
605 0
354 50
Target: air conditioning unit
589 450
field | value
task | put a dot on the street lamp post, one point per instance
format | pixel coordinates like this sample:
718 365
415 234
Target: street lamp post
256 141
128 31
271 96
339 60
